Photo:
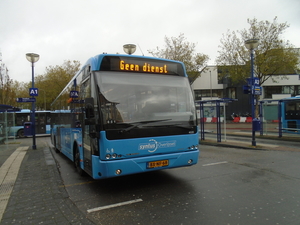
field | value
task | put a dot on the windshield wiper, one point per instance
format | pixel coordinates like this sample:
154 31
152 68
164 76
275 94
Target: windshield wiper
134 125
173 125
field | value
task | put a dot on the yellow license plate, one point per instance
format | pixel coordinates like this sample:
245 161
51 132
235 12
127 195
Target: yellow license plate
156 164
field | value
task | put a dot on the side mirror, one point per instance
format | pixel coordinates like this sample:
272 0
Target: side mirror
89 108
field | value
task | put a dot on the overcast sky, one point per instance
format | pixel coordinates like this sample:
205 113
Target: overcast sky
60 30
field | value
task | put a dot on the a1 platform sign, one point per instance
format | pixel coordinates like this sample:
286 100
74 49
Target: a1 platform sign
73 94
33 92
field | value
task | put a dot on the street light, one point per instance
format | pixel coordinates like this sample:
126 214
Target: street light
32 57
129 48
252 44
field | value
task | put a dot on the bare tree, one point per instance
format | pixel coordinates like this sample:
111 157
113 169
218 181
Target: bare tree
53 81
275 57
177 48
7 94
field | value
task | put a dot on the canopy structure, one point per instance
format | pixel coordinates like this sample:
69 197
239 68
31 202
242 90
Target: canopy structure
217 102
8 108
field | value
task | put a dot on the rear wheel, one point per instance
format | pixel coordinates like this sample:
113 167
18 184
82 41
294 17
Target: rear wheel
56 149
77 161
20 133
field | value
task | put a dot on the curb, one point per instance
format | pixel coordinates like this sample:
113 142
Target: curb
227 145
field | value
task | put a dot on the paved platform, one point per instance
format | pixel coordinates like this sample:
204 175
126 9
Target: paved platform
248 145
32 191
265 142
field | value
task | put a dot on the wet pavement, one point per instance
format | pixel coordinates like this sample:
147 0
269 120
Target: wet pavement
32 190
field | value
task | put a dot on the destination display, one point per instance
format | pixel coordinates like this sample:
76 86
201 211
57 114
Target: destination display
141 65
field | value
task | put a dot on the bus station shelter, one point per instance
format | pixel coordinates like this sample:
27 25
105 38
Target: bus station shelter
217 103
4 110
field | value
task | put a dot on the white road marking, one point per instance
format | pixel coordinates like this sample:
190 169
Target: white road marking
8 175
217 163
114 205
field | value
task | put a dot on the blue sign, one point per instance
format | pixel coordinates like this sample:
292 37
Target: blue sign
253 86
257 90
256 81
25 99
33 91
73 94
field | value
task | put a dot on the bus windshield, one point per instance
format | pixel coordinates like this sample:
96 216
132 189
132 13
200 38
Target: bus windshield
135 97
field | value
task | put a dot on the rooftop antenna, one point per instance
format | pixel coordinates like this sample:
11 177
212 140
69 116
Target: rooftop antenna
141 50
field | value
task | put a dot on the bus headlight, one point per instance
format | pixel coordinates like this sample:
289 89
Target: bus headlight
107 156
118 171
190 161
114 156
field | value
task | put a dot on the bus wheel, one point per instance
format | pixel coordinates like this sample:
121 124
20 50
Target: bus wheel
56 149
20 133
77 162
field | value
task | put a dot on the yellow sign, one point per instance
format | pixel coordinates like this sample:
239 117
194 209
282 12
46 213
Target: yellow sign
146 67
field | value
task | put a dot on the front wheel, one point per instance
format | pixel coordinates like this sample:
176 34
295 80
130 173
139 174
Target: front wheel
77 162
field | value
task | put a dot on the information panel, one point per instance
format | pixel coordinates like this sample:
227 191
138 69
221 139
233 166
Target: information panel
141 65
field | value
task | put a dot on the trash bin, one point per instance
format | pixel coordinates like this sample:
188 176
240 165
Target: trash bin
28 128
256 124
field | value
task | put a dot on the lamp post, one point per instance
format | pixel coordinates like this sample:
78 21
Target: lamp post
252 44
210 85
32 57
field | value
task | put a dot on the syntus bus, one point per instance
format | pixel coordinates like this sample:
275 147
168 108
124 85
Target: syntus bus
124 114
17 120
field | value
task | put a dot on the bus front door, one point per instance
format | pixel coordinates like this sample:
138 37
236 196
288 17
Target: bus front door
87 150
90 137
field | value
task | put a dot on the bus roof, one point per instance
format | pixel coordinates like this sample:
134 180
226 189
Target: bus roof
97 61
8 108
133 63
62 111
291 98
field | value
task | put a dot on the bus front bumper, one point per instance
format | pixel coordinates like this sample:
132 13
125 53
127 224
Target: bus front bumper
121 167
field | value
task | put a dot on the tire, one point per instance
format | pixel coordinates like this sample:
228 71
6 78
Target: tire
20 133
56 149
77 162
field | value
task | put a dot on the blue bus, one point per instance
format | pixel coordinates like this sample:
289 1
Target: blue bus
59 120
125 114
16 120
290 114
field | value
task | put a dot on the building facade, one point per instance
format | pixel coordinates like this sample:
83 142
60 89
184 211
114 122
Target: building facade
208 87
